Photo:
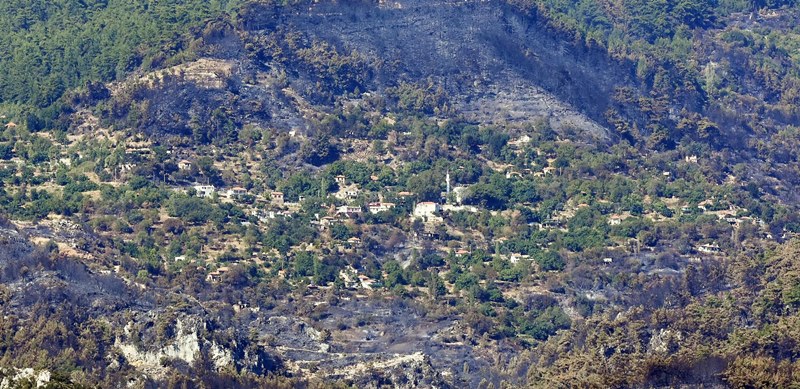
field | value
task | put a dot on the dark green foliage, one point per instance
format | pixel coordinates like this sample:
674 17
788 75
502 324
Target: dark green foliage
426 185
495 192
524 192
193 210
495 140
394 274
49 48
791 296
540 317
583 238
319 150
6 151
78 185
300 185
421 98
429 260
37 151
340 232
466 281
542 325
550 260
304 264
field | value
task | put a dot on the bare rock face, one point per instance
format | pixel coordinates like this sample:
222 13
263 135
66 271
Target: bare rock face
490 62
185 347
664 342
497 64
27 377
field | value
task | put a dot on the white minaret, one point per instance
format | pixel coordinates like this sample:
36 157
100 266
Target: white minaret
448 184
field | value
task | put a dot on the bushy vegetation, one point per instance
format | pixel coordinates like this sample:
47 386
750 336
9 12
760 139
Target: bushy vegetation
655 257
49 48
682 55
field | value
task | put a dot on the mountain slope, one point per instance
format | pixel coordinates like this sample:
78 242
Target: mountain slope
405 194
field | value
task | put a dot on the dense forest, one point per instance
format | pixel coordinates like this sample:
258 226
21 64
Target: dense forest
49 48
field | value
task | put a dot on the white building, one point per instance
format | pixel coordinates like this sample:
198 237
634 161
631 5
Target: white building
185 165
514 258
327 222
380 207
354 241
263 216
236 192
216 275
347 193
458 208
348 210
276 198
521 142
427 209
709 248
205 190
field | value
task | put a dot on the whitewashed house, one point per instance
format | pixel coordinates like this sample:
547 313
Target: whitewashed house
427 209
380 207
205 190
348 210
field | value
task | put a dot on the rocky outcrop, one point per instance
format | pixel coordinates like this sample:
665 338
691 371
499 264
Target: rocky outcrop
495 62
491 63
138 338
19 378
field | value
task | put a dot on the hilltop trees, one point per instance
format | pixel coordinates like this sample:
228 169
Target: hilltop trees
319 150
63 44
193 210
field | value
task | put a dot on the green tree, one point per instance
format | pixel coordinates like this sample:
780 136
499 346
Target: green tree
550 260
304 264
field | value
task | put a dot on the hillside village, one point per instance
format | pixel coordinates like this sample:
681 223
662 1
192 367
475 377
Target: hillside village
220 210
524 220
414 193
